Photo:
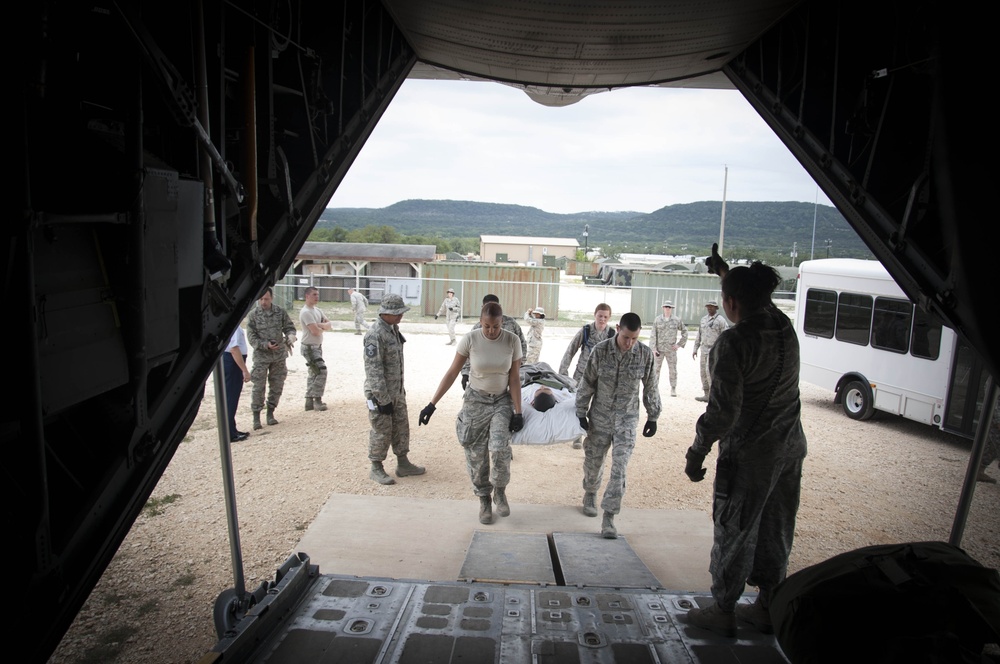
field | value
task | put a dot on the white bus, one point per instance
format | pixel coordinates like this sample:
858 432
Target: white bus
861 337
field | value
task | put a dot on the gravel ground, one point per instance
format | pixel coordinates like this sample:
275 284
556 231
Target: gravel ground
883 481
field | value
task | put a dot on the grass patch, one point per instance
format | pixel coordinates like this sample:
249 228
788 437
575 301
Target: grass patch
184 580
154 506
109 645
146 608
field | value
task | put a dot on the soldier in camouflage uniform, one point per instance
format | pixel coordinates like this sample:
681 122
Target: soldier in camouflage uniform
359 305
667 336
711 326
536 325
385 394
754 412
271 335
508 323
584 341
607 403
314 324
451 309
491 410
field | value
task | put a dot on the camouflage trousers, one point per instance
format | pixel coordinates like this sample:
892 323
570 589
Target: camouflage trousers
451 327
706 375
389 431
483 428
753 513
595 450
316 380
359 321
671 357
534 350
269 375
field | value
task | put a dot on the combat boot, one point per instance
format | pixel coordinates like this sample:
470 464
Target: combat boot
590 504
309 403
270 416
318 404
673 391
578 443
713 619
500 498
405 469
702 398
608 530
757 615
379 475
485 510
256 420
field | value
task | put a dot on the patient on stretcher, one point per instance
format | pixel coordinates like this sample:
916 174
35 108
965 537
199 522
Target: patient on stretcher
548 402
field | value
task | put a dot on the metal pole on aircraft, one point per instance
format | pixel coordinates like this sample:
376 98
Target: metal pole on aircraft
722 226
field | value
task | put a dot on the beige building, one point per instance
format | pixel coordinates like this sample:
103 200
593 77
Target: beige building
525 250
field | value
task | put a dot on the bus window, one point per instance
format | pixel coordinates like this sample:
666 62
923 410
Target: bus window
926 335
821 313
891 324
854 318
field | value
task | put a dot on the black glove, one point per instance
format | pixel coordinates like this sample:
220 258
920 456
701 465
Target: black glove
649 430
385 408
465 381
694 469
436 316
584 424
516 422
425 414
715 264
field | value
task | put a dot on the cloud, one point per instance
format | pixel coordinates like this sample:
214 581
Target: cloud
634 149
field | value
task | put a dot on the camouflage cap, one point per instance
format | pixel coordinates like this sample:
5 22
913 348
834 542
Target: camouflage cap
712 303
668 303
393 305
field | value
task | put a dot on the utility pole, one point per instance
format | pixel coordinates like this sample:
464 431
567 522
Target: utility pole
586 245
829 245
795 252
722 225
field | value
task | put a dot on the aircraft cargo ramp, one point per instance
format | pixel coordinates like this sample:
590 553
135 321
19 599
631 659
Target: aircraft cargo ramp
539 586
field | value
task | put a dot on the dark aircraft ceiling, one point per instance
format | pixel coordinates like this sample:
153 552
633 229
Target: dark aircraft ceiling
560 52
133 278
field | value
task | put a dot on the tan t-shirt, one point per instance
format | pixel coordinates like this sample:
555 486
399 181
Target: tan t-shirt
311 315
489 360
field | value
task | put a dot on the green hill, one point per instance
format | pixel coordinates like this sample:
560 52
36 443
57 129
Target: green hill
765 227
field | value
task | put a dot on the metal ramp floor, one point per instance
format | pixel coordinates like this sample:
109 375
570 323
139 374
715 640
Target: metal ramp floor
529 612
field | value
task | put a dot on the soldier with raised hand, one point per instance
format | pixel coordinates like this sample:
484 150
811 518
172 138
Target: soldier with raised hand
451 309
607 404
385 394
536 326
359 305
271 334
669 334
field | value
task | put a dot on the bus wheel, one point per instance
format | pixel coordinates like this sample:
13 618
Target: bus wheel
857 401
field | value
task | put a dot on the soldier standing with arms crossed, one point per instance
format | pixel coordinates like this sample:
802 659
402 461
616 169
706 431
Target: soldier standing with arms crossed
314 324
385 394
272 336
711 326
452 310
668 335
359 305
607 403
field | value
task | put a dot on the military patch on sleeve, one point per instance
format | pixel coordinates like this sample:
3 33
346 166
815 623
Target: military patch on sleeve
371 350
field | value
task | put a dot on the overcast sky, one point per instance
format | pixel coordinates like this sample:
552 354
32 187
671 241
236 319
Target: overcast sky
635 149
